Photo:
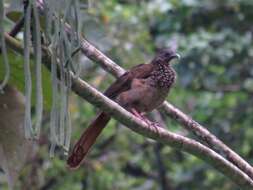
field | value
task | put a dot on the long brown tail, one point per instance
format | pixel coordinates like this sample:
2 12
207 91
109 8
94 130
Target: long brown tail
87 139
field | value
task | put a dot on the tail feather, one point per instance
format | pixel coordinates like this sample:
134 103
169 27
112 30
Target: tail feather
87 139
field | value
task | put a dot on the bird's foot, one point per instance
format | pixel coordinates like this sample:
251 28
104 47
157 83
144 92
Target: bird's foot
137 114
141 116
154 124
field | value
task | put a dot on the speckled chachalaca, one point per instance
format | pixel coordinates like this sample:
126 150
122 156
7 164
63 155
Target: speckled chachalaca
140 90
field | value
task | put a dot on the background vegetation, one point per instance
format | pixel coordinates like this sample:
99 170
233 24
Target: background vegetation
214 86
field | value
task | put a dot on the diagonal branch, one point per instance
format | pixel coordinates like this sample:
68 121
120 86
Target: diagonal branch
96 98
207 137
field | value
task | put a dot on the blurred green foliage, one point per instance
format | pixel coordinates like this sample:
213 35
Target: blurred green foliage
214 86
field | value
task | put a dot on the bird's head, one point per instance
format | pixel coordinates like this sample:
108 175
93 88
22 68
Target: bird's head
165 55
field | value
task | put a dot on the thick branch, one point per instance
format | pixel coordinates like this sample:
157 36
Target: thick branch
96 98
207 137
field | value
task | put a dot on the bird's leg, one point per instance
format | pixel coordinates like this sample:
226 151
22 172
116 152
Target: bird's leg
137 114
145 119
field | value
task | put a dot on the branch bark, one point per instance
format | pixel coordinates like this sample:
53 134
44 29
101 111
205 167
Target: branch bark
96 98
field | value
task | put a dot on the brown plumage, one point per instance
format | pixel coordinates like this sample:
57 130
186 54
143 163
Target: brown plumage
140 90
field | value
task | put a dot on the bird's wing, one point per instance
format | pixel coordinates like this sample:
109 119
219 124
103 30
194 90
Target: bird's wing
123 83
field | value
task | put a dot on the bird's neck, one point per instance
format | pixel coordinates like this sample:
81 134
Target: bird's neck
163 75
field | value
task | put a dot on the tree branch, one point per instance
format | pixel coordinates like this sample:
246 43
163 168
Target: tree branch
204 135
96 98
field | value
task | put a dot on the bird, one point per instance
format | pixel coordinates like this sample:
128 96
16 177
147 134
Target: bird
139 90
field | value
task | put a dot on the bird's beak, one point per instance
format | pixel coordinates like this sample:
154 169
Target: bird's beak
176 55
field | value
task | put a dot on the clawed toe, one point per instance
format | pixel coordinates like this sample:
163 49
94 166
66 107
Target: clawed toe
155 124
